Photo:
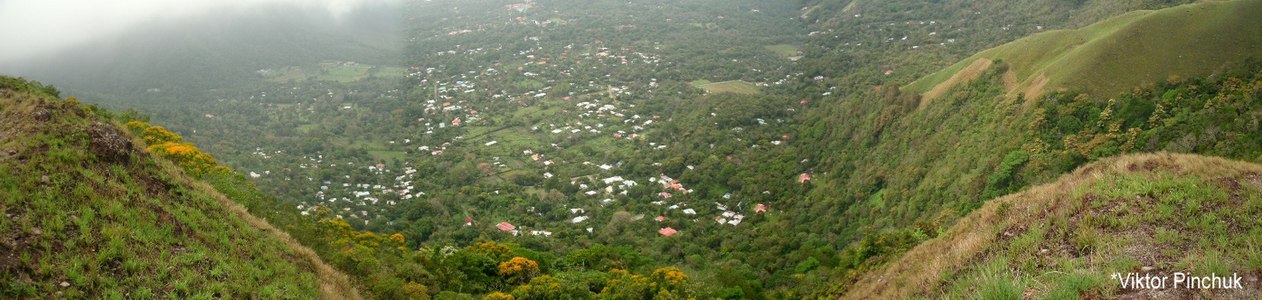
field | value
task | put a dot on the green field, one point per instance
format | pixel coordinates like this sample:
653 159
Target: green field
386 155
1130 50
784 50
307 128
345 72
732 86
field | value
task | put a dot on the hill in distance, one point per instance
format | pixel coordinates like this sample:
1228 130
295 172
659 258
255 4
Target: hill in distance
1156 214
87 213
1121 53
220 50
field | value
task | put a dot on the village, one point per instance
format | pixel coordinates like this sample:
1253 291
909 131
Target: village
550 137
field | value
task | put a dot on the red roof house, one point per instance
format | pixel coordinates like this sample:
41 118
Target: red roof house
804 177
668 231
760 208
505 227
661 218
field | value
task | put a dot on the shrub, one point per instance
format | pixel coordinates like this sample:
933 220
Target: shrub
519 269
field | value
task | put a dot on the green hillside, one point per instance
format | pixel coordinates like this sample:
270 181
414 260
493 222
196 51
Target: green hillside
901 171
1154 214
1118 54
90 214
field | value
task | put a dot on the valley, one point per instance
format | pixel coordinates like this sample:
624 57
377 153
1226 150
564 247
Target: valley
735 150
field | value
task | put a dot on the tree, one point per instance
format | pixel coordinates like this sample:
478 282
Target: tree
519 269
670 278
547 287
496 251
623 285
499 296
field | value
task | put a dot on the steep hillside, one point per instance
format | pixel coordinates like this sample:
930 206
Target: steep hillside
90 214
895 169
1118 54
1157 214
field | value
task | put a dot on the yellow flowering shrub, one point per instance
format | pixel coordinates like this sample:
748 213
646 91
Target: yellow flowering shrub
170 145
498 296
624 285
518 269
496 251
670 278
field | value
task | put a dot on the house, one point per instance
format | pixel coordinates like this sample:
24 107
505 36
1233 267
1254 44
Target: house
468 221
455 122
760 208
661 218
506 227
541 232
804 177
668 231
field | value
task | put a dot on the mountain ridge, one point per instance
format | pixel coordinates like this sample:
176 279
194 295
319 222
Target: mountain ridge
1118 54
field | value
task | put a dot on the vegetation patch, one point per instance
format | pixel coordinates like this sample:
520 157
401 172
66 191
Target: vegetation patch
1051 240
732 86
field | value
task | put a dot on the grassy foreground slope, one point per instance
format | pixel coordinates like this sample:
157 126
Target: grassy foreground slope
1118 54
1151 213
89 214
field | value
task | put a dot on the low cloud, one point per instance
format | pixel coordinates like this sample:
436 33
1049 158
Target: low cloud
33 27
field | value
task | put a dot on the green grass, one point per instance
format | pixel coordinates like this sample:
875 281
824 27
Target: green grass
344 73
1085 242
88 228
333 71
307 128
1126 51
733 86
386 155
784 50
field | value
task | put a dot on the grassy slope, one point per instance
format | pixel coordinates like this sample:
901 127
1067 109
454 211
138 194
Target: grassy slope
1126 51
77 224
1155 213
